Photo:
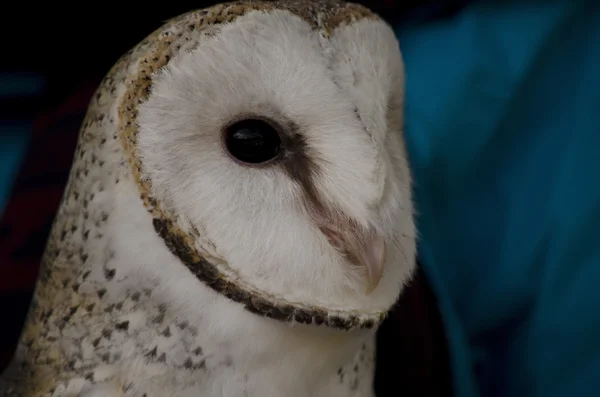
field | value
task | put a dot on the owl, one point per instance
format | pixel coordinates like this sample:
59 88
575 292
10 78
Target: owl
238 218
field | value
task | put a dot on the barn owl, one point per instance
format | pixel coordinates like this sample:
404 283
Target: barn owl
238 217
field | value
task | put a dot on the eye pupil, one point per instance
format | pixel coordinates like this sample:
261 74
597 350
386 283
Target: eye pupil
252 141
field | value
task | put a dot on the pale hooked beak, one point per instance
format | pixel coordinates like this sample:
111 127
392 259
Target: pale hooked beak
365 248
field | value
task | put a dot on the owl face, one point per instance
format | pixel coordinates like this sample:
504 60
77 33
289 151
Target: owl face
282 146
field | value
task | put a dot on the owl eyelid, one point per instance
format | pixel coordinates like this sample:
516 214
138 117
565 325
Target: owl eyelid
254 116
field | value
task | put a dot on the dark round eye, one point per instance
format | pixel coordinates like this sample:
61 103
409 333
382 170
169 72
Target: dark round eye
252 141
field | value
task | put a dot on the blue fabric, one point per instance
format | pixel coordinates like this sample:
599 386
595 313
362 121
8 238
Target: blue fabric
14 137
21 84
15 132
503 130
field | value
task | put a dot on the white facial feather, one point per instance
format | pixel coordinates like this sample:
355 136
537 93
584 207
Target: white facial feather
273 65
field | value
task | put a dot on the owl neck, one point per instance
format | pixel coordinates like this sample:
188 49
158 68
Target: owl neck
127 312
207 341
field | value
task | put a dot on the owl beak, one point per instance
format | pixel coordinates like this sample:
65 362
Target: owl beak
371 255
365 248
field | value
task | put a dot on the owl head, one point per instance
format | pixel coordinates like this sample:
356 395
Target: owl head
267 141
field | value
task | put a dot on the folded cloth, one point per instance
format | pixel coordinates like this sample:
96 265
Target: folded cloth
502 123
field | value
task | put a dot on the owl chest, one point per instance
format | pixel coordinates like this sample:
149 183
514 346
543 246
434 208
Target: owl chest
152 351
185 369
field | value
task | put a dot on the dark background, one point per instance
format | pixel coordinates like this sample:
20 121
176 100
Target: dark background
69 41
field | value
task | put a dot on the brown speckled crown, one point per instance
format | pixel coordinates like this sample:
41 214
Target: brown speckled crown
322 15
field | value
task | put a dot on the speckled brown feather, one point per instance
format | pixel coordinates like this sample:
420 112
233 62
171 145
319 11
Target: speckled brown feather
65 299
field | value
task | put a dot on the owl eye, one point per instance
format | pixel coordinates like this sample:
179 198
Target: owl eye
252 141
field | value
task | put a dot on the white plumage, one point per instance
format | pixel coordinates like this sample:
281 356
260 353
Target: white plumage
175 269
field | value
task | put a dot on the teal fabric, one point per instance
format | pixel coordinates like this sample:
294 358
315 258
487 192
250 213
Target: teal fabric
13 144
15 132
503 130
